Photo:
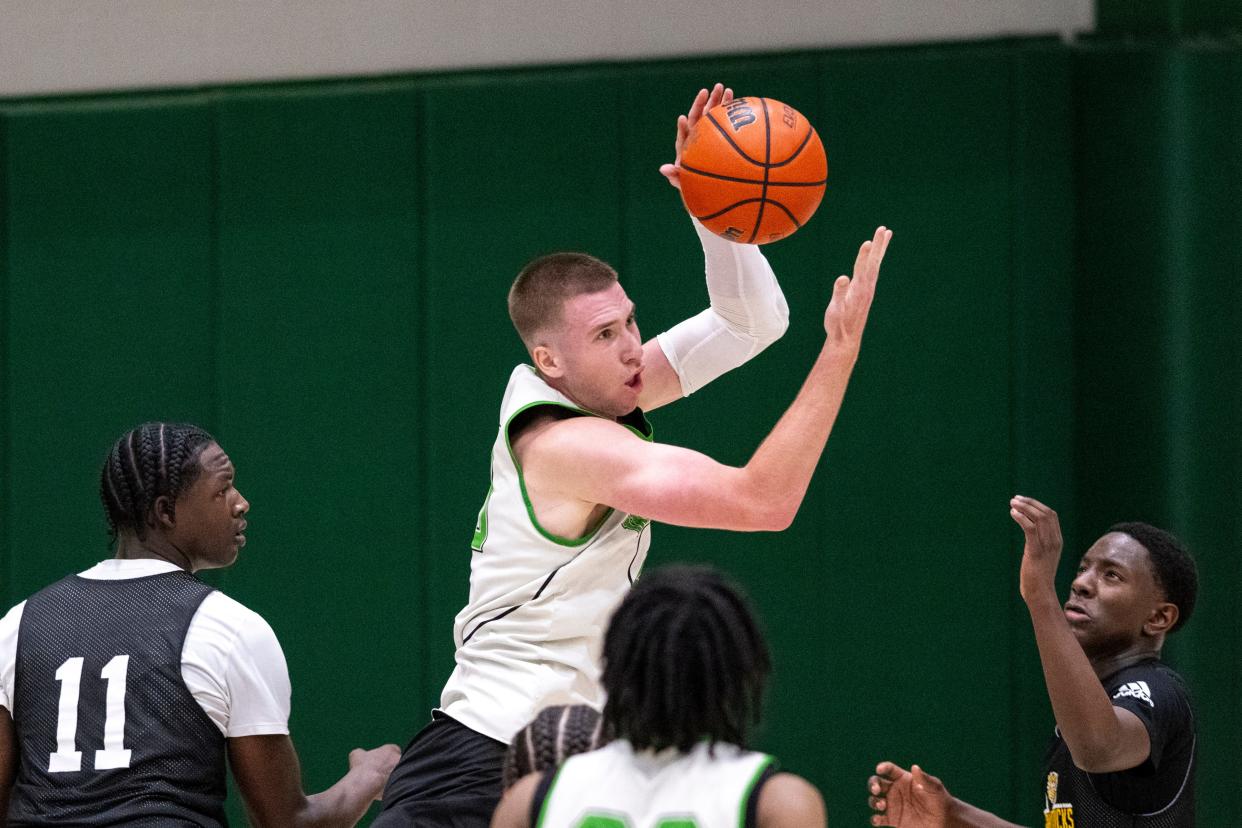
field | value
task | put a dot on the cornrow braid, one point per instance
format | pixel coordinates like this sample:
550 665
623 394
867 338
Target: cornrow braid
151 461
558 732
684 661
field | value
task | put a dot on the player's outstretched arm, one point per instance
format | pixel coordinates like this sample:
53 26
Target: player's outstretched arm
270 779
789 801
913 798
597 461
747 311
1101 737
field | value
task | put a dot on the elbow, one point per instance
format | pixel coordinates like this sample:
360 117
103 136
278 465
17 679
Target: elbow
773 517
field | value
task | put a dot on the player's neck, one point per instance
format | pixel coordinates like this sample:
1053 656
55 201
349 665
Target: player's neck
130 547
1107 664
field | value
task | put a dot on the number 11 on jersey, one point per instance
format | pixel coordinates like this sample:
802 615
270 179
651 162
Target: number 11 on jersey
114 753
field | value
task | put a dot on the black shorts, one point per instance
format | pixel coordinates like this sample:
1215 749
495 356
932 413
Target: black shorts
448 777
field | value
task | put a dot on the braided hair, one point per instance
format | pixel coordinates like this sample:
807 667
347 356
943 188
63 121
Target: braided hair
684 661
558 732
153 460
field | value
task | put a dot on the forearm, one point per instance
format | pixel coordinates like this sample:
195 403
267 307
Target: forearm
747 313
781 468
1083 711
344 804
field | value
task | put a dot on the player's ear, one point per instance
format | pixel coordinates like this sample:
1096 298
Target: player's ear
547 361
1163 616
163 512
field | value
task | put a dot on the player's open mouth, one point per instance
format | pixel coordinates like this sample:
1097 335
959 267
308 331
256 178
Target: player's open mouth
1073 612
636 381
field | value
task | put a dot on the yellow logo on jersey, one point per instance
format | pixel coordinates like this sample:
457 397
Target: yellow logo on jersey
635 523
1056 814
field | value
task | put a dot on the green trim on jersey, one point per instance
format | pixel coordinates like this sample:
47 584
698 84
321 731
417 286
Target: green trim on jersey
530 509
767 762
547 797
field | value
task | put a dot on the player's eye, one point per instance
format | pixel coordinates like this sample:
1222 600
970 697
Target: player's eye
606 333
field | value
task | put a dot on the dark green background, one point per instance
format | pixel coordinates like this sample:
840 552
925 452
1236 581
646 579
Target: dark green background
316 272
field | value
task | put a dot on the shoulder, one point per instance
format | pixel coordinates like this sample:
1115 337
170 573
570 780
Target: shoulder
234 623
787 800
1150 683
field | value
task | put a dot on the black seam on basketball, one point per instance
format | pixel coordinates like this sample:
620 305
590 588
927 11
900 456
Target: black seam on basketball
732 206
767 161
737 204
720 177
727 137
792 217
806 139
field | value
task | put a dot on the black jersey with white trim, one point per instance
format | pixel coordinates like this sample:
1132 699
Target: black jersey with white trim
1159 793
106 729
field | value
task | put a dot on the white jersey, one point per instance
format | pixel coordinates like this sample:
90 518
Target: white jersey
706 788
533 629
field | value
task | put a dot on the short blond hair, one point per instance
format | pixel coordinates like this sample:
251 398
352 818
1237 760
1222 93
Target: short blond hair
537 298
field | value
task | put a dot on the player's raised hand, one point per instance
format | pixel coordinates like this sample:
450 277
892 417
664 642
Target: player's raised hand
704 101
1042 528
903 798
846 315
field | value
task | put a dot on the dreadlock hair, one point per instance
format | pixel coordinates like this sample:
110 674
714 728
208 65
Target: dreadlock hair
151 461
684 661
557 733
1171 563
540 290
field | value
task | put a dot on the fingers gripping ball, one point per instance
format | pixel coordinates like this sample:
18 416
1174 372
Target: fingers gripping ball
753 170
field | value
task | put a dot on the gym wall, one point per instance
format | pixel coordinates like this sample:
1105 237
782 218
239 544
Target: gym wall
316 272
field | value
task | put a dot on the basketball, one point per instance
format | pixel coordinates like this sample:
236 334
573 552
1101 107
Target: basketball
753 170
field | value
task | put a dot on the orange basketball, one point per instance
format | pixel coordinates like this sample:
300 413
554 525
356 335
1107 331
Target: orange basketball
753 170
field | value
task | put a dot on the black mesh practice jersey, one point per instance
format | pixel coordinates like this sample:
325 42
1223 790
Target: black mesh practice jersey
107 731
1158 793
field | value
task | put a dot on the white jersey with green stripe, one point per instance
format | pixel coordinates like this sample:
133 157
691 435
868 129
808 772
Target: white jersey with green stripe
619 787
531 633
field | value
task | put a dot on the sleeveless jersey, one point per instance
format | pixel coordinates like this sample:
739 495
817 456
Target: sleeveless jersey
619 787
533 629
1158 793
107 731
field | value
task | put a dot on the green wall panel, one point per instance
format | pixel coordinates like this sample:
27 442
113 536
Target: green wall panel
1160 344
320 399
109 301
516 166
318 271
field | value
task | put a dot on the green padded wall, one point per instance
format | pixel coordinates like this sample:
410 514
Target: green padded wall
1159 344
317 272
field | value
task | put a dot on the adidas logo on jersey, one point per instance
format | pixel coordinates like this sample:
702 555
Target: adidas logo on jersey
1135 690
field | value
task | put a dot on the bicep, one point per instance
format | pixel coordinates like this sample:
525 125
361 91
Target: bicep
269 777
598 461
1133 742
8 762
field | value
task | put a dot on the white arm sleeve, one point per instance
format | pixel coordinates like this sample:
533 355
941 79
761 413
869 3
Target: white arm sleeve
747 314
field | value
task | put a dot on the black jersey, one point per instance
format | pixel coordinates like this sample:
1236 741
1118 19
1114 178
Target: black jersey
1159 793
107 732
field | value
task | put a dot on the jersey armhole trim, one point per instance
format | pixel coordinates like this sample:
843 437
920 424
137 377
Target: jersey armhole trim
530 509
749 815
543 795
